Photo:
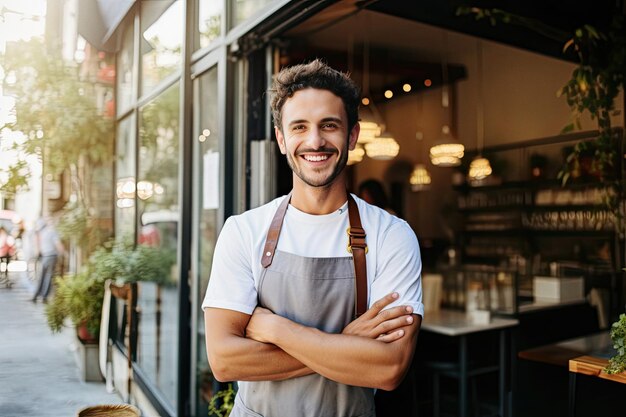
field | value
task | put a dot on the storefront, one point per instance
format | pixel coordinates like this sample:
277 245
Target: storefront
194 137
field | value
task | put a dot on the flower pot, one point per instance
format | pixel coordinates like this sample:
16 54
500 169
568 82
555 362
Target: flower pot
85 336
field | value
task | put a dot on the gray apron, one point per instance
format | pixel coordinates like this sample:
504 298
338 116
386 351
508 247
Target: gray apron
315 292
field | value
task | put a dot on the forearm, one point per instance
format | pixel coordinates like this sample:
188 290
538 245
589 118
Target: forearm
241 359
233 357
337 356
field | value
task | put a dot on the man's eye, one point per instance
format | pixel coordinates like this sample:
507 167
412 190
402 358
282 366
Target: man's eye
298 128
329 126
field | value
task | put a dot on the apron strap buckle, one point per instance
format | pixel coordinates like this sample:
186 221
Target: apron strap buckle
356 238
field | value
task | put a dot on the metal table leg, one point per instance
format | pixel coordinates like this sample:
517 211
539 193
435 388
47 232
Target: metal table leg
502 374
572 395
463 376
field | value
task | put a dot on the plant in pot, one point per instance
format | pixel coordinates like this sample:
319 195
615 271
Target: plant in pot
78 298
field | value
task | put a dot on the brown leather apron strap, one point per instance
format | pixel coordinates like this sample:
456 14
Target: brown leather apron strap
356 245
274 232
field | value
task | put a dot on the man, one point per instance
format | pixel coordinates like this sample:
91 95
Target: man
49 248
282 321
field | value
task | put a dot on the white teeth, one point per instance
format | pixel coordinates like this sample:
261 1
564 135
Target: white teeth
315 158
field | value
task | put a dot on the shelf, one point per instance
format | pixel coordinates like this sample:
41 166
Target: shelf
530 186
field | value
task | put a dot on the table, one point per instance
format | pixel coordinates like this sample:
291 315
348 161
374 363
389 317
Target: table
455 323
592 366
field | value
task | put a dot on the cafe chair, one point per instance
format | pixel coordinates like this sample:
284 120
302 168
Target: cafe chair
451 370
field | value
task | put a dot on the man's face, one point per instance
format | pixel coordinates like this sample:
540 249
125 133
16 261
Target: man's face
315 136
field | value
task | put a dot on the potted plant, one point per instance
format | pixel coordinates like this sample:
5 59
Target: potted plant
78 298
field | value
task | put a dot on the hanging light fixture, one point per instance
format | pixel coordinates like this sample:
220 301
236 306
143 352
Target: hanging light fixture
480 168
383 147
369 127
420 178
355 156
368 120
446 151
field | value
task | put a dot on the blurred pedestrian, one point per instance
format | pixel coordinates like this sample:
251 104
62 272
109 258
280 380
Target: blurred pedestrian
373 192
7 250
49 247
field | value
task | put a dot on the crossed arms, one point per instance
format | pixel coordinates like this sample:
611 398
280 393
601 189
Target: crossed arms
374 350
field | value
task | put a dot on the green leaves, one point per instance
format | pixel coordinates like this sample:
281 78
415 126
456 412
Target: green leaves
617 363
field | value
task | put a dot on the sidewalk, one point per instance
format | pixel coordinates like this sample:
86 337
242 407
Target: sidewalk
38 372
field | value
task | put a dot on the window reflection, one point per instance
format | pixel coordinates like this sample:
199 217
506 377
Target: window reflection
125 60
206 125
157 202
125 180
209 21
245 9
161 41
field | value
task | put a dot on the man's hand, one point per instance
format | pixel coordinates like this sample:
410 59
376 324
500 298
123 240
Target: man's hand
259 324
375 323
382 325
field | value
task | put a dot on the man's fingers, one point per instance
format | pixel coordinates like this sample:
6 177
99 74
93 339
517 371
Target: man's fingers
394 324
391 337
382 303
393 313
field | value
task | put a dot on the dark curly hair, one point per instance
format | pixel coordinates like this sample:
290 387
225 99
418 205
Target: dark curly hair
315 74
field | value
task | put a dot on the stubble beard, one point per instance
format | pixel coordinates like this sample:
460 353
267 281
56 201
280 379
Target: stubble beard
324 182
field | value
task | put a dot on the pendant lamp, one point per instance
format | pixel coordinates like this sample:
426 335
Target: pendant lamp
383 148
369 127
446 151
355 156
480 168
420 178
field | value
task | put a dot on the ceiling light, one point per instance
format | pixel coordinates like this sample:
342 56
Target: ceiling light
355 156
406 88
388 93
480 168
447 151
382 148
420 178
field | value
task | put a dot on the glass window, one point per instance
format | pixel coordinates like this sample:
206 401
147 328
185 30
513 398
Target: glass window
161 41
209 21
125 180
157 202
206 144
125 61
245 9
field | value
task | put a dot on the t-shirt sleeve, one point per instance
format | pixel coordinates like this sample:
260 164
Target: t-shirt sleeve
231 284
399 268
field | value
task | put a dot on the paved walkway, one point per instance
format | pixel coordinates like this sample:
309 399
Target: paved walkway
39 376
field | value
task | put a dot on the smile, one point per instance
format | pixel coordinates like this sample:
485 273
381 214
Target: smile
315 158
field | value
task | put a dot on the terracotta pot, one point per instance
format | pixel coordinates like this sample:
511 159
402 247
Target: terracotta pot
84 335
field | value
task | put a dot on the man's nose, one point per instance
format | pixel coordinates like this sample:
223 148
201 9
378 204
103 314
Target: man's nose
315 138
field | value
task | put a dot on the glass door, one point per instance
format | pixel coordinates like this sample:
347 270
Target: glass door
207 177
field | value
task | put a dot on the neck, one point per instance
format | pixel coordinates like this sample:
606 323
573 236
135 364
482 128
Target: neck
319 200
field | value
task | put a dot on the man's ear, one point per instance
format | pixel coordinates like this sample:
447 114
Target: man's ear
280 138
354 136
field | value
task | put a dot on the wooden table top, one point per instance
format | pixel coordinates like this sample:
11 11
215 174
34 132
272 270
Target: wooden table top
593 366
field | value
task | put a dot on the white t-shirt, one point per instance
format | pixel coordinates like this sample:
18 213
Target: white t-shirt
393 260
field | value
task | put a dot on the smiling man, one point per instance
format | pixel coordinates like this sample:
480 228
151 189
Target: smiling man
279 309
